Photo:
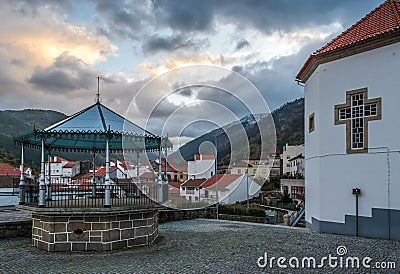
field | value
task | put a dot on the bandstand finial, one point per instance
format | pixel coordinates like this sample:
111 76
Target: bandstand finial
98 90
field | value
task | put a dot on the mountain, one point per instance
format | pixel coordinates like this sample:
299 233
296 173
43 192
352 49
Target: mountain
289 126
288 119
18 122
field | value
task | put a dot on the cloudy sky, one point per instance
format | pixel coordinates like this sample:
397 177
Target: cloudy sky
51 52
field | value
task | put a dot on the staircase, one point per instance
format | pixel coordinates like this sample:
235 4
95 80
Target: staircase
302 222
299 219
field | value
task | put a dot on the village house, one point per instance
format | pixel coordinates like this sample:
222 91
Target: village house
259 167
203 166
232 188
288 153
297 166
9 175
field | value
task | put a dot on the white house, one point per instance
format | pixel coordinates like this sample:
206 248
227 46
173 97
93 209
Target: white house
60 169
353 128
294 188
203 166
231 188
190 189
288 153
297 165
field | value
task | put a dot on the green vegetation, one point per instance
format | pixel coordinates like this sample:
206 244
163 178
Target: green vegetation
273 183
289 126
14 123
285 199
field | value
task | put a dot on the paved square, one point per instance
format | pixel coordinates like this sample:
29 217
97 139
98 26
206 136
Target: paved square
203 246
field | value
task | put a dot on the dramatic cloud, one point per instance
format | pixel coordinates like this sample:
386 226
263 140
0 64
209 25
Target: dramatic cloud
156 43
51 53
67 74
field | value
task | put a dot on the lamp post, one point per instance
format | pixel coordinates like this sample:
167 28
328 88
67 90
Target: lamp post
356 192
247 192
216 176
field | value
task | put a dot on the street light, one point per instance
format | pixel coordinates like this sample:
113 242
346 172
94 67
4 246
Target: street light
216 174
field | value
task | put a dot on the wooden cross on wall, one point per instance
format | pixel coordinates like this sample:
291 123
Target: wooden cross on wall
355 114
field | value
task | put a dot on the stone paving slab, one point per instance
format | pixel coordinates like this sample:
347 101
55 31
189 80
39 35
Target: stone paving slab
204 246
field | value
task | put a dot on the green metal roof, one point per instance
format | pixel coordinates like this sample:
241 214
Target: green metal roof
88 130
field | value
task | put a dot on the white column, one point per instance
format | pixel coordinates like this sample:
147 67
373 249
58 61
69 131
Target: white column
42 184
107 193
216 177
137 175
94 175
22 179
49 186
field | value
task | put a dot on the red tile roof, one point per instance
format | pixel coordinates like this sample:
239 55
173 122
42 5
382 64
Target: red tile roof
101 172
8 170
148 175
241 164
123 164
193 182
175 184
204 157
69 165
58 159
224 180
382 20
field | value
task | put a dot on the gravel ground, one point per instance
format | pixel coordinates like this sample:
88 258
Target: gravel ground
207 246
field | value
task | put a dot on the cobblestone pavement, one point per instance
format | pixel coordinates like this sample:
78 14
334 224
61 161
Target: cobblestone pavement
204 246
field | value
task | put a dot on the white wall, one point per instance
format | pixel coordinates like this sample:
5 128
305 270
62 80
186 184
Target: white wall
288 153
331 173
236 191
201 169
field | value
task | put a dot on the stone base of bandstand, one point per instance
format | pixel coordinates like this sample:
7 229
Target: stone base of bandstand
93 229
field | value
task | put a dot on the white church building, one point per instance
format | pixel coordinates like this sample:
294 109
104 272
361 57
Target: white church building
352 128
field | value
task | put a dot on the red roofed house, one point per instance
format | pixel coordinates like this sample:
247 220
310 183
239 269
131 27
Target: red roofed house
352 131
191 189
232 188
176 171
61 169
8 173
203 166
259 166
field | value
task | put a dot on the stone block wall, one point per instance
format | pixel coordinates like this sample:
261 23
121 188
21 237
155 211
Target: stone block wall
15 229
167 215
239 218
101 231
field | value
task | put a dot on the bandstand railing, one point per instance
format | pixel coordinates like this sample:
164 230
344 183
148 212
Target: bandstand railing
68 193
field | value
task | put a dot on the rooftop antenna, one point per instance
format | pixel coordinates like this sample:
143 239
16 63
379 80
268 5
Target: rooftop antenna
98 90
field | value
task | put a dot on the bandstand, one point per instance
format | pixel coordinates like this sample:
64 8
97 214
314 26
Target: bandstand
86 215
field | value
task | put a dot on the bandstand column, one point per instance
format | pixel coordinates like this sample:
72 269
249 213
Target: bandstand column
22 178
137 175
42 184
94 175
49 185
107 192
